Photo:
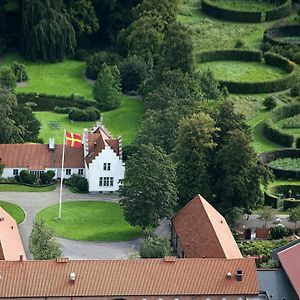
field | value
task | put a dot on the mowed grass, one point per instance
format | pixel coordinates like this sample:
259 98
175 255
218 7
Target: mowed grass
286 163
242 5
240 71
14 210
62 78
90 221
123 120
24 188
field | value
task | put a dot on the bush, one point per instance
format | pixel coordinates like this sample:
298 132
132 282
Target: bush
89 114
133 72
290 203
278 232
295 90
45 102
239 44
95 62
20 72
7 78
81 54
281 11
72 181
82 185
27 177
155 247
298 142
271 200
62 110
269 103
47 177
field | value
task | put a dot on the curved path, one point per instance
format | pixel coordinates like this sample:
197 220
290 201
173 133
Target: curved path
32 203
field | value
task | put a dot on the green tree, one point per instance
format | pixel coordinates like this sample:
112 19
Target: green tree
9 132
210 87
192 155
107 90
267 214
239 177
42 244
2 167
155 247
47 32
294 216
7 78
178 48
149 192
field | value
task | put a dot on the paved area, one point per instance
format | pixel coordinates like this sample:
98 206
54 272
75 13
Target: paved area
32 203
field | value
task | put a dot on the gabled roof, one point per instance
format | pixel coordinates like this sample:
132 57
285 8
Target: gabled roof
97 141
290 261
11 246
140 277
39 157
203 231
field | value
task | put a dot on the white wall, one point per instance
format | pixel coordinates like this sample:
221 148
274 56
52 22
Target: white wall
117 170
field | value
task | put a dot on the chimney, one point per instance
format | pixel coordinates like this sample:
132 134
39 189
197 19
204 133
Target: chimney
72 277
21 258
239 275
51 144
228 275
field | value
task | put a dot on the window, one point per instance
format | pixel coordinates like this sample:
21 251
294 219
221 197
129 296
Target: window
106 181
100 181
111 179
106 166
15 172
80 171
68 171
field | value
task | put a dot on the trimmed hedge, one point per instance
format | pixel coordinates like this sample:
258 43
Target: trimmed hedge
275 134
49 102
290 203
211 8
298 142
270 86
271 200
271 34
266 157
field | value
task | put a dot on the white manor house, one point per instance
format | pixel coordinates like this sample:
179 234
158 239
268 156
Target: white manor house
99 159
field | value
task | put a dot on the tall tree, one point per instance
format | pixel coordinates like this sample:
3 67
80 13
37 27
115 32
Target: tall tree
294 216
47 32
149 192
239 177
192 156
107 89
42 244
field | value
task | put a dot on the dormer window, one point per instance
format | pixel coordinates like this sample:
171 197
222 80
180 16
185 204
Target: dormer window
106 166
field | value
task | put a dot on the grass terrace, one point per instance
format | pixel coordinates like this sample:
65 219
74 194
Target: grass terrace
90 221
286 163
242 5
14 210
25 188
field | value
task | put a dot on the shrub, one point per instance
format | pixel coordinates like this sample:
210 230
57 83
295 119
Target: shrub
298 142
81 54
20 72
62 110
271 200
239 44
133 71
72 181
27 177
155 247
295 90
269 103
82 184
95 62
281 11
290 203
7 78
47 177
278 232
89 114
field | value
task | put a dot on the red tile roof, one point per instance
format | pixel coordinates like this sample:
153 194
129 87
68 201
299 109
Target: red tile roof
127 278
97 141
39 157
290 261
11 246
203 231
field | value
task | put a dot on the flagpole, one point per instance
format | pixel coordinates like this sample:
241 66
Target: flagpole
62 175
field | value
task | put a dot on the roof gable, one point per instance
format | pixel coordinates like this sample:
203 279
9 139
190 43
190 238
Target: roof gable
203 231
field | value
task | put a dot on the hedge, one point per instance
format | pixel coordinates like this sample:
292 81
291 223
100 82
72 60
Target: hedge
271 200
47 102
298 142
266 157
275 134
211 8
290 203
270 86
271 34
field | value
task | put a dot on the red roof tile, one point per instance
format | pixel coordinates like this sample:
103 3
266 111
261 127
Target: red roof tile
127 278
203 231
39 157
290 261
11 246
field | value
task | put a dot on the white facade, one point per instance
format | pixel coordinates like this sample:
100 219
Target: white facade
106 172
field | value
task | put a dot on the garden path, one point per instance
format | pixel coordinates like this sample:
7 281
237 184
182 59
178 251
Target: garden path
32 203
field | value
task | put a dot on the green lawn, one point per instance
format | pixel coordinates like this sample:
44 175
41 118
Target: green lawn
15 211
241 71
63 78
24 188
123 120
90 221
242 5
286 163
